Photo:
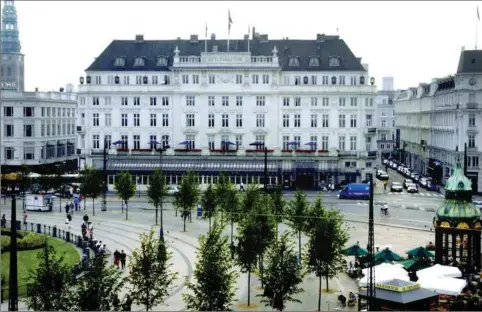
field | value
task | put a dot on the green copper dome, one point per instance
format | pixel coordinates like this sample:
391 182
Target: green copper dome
458 209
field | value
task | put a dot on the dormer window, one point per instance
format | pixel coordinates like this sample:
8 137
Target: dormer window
139 61
334 62
294 62
314 62
120 61
162 61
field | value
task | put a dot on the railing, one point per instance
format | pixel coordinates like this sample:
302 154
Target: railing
372 154
347 153
371 130
261 59
472 105
190 59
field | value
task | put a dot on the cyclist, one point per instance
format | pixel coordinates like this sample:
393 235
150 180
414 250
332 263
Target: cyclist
384 209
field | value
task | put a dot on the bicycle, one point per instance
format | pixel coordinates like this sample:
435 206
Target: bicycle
384 213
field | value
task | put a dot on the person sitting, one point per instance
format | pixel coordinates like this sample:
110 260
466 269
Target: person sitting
384 209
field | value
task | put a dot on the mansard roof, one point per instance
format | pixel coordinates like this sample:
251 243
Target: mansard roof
470 62
303 50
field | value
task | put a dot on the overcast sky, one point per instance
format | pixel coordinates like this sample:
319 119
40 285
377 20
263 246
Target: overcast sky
411 41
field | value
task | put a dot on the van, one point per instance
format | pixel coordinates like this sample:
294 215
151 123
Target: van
355 191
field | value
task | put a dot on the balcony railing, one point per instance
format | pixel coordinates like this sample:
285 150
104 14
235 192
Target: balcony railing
472 105
371 130
372 154
347 153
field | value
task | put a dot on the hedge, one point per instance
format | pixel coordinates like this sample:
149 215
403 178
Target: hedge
26 241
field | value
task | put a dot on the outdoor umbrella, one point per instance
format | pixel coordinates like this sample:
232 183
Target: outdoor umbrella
420 252
388 255
356 250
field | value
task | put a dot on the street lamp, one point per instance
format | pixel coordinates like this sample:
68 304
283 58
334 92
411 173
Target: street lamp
162 149
260 145
104 195
13 281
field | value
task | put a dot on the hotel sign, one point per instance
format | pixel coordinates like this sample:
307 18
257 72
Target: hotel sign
225 58
8 85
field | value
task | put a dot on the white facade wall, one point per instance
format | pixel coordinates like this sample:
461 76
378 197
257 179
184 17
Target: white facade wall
385 116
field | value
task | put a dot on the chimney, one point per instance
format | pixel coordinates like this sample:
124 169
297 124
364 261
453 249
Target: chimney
263 38
36 89
213 36
194 39
256 36
253 32
320 37
61 90
246 37
139 38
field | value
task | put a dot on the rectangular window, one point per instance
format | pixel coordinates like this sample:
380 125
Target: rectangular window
152 139
353 102
126 80
225 101
341 143
368 119
239 79
286 140
95 141
124 101
8 132
326 102
153 101
353 143
314 102
342 80
325 80
297 101
297 80
155 80
297 140
95 101
384 123
314 80
286 80
225 120
190 138
297 120
185 79
8 111
353 120
108 119
471 120
211 142
353 80
138 79
107 141
314 120
239 100
137 101
28 112
260 100
255 79
265 79
212 79
28 131
211 101
165 101
261 139
342 101
341 121
211 121
124 120
125 141
165 120
260 120
195 79
324 142
137 120
9 153
190 100
239 140
95 119
471 142
239 120
137 141
153 120
324 120
286 101
286 120
190 120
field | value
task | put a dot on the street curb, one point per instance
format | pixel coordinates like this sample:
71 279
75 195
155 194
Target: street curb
391 225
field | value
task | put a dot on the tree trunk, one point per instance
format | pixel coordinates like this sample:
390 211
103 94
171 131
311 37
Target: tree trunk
232 229
93 207
261 270
327 288
162 221
184 220
122 205
60 201
127 211
209 222
299 247
249 287
319 293
156 214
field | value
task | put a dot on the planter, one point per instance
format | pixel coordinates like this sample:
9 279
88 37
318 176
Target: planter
305 151
322 151
258 151
187 150
141 150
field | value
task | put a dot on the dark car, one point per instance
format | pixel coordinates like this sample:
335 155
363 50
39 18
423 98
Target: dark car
431 186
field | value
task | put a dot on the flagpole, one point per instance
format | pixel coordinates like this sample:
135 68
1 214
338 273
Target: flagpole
206 39
249 33
477 19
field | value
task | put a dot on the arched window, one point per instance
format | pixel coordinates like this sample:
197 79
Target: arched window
120 61
314 62
161 61
334 62
139 61
294 61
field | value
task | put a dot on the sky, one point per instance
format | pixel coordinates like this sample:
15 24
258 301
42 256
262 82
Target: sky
413 41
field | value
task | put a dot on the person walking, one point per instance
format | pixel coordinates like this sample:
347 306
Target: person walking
4 221
116 258
123 257
25 215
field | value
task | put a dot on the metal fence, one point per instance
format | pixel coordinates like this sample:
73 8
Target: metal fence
38 228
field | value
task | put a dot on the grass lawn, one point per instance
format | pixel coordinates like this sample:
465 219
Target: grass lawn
27 260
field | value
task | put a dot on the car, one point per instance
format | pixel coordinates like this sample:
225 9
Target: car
412 188
477 204
396 187
431 186
355 190
172 190
406 183
423 182
385 161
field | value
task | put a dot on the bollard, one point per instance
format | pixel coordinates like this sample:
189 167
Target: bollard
54 231
49 230
39 228
31 226
19 225
45 228
67 237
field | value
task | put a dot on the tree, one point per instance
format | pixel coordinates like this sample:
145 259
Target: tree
51 282
314 213
213 288
230 207
58 183
151 278
125 187
278 204
91 184
297 213
283 274
327 240
251 198
44 183
157 191
248 236
209 202
99 288
188 195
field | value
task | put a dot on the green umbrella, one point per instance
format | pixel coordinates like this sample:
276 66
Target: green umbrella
414 264
387 255
356 250
420 252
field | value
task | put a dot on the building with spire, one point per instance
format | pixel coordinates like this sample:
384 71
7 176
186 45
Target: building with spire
13 75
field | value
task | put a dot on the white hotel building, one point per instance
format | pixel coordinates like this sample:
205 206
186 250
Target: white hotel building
437 119
310 102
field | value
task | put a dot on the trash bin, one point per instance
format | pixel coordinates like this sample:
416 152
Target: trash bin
39 228
54 231
67 237
19 225
199 211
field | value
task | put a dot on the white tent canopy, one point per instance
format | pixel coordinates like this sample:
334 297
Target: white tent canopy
384 272
383 266
443 285
439 271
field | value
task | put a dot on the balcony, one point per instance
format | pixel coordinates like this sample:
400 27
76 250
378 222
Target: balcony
347 153
372 154
80 129
472 106
371 130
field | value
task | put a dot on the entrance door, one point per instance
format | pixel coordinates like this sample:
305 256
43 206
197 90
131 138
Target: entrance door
304 181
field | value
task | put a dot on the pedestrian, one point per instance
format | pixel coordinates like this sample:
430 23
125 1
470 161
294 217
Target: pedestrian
116 258
91 230
4 221
72 206
123 257
25 219
127 303
385 186
67 208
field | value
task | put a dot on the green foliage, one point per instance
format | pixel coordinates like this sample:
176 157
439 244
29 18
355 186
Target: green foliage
25 240
99 289
230 204
188 195
151 278
264 223
91 182
51 284
24 179
213 288
278 203
297 215
125 186
251 198
282 275
314 212
45 183
157 189
209 201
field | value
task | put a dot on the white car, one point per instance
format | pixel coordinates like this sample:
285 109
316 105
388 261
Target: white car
396 187
423 182
172 189
412 188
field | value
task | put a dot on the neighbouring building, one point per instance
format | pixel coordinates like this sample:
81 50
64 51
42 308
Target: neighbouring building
385 116
437 119
309 102
37 128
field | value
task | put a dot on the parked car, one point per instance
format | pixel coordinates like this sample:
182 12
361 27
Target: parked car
432 186
406 183
382 175
172 190
412 188
355 190
396 187
385 161
423 182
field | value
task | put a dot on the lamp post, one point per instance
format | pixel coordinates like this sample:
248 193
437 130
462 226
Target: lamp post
258 146
13 280
161 149
371 249
104 194
295 144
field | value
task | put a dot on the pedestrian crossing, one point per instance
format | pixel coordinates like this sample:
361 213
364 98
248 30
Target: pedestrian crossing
417 194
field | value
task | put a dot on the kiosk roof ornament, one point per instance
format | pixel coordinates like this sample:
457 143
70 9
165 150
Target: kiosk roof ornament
458 209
